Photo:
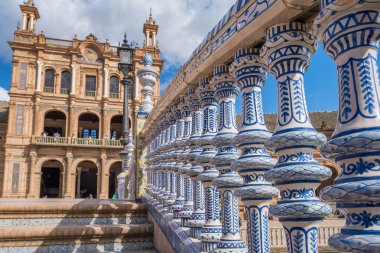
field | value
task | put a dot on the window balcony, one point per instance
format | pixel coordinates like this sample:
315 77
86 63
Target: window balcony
90 93
114 95
65 91
49 89
66 141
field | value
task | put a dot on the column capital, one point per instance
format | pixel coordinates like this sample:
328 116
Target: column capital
223 83
288 48
339 26
73 66
40 63
248 68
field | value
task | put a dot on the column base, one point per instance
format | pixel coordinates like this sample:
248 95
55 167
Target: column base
231 247
345 242
68 196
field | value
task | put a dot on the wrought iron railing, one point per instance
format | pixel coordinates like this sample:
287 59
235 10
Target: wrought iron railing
65 91
114 95
90 93
49 89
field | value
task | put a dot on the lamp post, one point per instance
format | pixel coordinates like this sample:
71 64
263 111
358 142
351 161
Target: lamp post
125 53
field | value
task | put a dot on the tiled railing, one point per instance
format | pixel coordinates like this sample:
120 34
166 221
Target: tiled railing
49 140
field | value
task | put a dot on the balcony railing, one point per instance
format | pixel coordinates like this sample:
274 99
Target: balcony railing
49 89
114 95
49 140
90 93
65 91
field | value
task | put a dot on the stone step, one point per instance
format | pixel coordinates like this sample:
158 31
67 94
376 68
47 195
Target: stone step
66 212
66 238
60 225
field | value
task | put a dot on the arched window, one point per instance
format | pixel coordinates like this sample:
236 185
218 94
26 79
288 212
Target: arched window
49 81
65 82
114 87
130 91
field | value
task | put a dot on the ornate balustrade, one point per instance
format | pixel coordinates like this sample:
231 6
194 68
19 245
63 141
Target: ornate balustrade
217 164
67 141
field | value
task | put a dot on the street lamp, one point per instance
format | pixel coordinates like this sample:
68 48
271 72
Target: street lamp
125 53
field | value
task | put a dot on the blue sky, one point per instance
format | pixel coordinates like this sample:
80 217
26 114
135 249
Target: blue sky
321 86
183 25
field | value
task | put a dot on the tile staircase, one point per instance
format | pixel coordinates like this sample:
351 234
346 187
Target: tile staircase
75 225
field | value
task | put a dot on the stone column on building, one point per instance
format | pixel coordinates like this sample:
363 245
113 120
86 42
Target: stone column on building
73 79
36 115
73 132
256 193
68 193
24 21
105 122
31 22
211 231
103 177
148 78
79 174
227 90
147 38
40 64
197 219
350 33
32 191
187 208
287 52
105 82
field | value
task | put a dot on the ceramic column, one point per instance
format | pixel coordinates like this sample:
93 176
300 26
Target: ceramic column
171 152
287 52
228 180
350 33
197 218
148 78
256 193
180 200
211 232
187 208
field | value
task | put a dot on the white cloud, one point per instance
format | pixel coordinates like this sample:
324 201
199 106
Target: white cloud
4 94
183 23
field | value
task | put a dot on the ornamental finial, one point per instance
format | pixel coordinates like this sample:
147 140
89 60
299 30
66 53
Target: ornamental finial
29 3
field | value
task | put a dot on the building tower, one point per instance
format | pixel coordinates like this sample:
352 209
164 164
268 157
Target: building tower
30 16
150 31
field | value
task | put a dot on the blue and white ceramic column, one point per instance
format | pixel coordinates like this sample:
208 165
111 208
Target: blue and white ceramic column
187 208
197 219
180 200
228 180
172 158
287 52
256 193
211 232
350 33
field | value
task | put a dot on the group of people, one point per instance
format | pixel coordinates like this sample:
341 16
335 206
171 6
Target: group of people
55 134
